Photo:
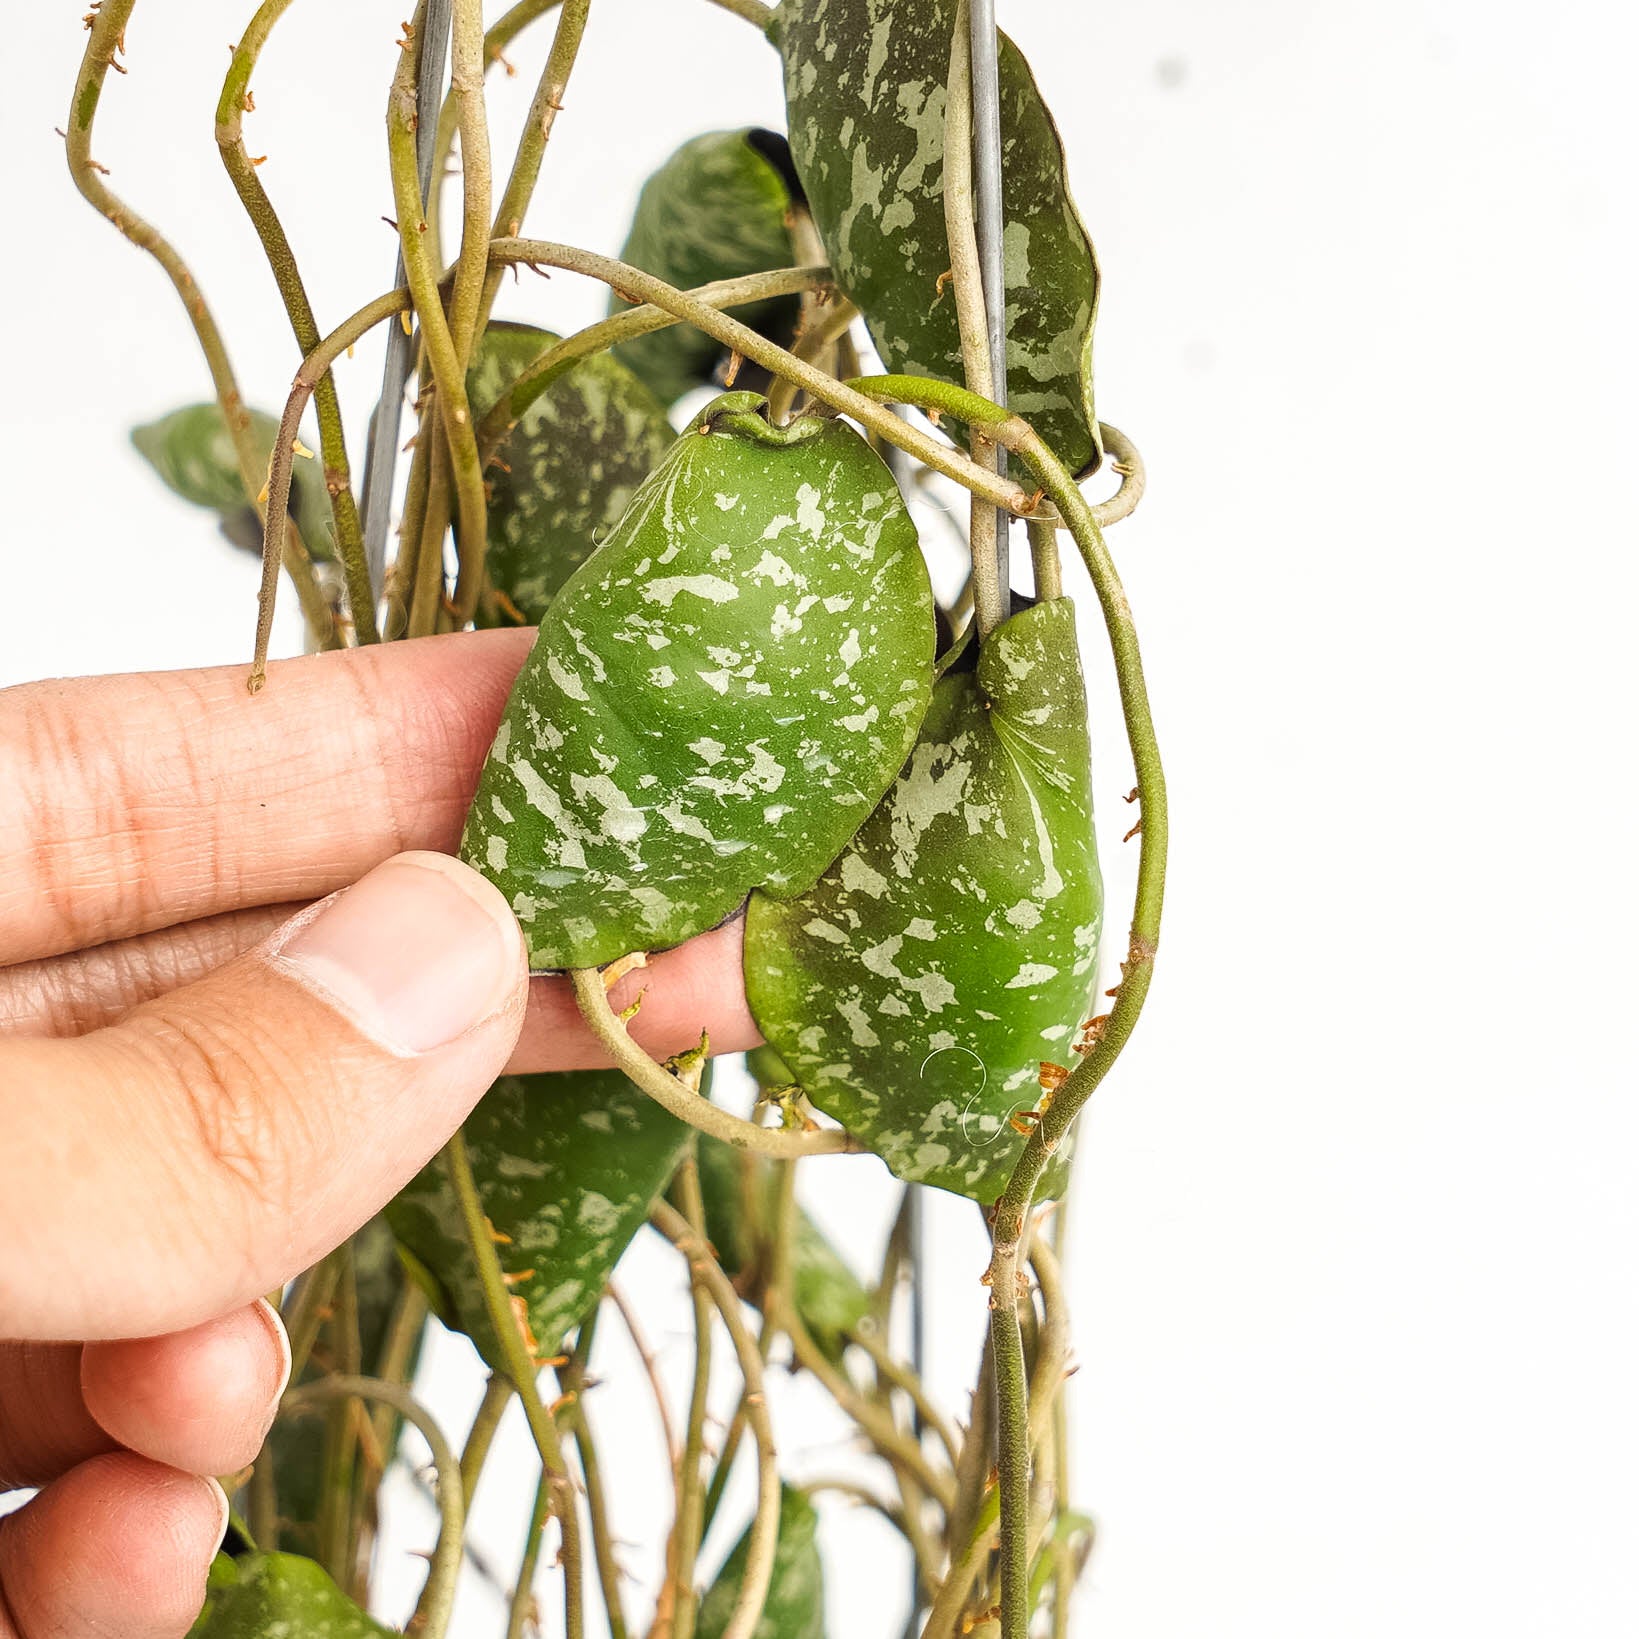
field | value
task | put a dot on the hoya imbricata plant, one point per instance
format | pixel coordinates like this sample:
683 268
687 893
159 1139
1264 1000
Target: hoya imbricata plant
743 701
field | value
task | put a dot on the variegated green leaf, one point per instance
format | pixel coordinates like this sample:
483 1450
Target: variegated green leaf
568 1167
917 988
193 454
865 98
718 208
567 470
795 1607
717 697
278 1596
739 1190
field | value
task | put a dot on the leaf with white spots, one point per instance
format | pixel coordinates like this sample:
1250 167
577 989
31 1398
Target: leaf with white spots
916 989
865 99
716 209
692 725
569 468
278 1596
568 1167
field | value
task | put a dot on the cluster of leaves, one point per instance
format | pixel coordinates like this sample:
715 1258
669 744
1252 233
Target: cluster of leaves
740 703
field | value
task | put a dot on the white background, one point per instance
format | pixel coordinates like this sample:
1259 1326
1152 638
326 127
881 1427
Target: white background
1354 1244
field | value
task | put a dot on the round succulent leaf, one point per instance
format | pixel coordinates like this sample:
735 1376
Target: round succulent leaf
567 470
917 988
278 1596
865 99
739 1190
193 453
795 1607
717 697
717 209
568 1167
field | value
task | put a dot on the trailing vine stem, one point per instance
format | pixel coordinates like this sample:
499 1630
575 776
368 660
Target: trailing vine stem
439 341
438 1596
521 1369
241 169
523 1590
688 1527
467 87
541 372
359 324
501 33
498 1392
637 286
573 1380
537 133
991 602
105 39
763 1537
1011 1210
694 1108
755 12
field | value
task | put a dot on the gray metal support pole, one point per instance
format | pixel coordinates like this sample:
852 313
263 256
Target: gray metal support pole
381 452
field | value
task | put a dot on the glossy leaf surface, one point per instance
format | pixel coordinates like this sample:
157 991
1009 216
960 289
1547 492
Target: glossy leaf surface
739 1192
795 1608
718 696
917 988
568 1166
278 1596
716 209
569 468
865 98
191 451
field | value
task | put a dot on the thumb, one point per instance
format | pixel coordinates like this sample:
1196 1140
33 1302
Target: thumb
219 1139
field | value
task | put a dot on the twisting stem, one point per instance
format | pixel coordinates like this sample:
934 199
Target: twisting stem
445 360
574 1382
500 35
539 375
498 1392
543 114
674 1449
438 1597
763 1536
106 38
670 1093
1124 459
467 87
688 1527
754 11
1046 570
241 169
905 1380
637 286
521 1605
990 601
812 348
521 1369
1143 938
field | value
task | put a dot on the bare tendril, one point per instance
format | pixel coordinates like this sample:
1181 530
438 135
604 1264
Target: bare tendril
242 170
104 45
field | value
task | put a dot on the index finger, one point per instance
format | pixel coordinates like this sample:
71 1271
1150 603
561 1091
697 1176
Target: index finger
135 802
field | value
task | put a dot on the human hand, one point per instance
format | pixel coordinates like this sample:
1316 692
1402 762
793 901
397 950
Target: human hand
207 1081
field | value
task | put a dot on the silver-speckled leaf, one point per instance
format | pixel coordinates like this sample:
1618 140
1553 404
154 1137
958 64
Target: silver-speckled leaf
567 470
916 990
795 1608
865 98
717 698
716 209
278 1596
568 1166
193 454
